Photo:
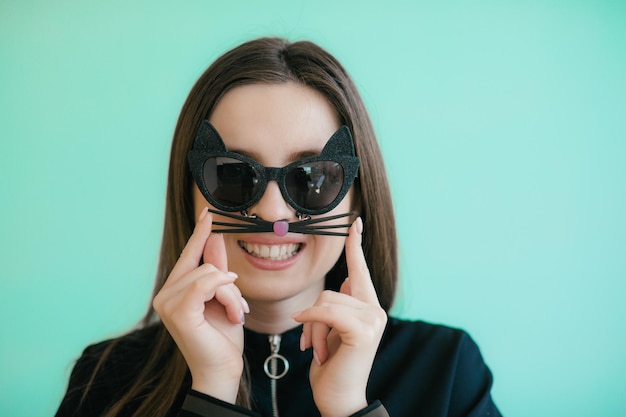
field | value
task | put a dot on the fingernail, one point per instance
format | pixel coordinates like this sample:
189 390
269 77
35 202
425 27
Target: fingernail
359 225
317 358
302 343
243 318
246 307
232 274
203 213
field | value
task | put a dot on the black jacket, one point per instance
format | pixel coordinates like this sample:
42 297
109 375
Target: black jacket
420 370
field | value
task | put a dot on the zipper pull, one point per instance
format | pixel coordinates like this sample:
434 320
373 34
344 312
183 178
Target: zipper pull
270 366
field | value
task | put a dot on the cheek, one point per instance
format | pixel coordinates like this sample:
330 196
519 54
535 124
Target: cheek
350 202
329 248
231 244
198 201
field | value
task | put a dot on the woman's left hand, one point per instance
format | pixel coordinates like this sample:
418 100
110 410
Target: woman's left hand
344 328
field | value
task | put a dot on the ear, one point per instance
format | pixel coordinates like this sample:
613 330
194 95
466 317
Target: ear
340 143
208 139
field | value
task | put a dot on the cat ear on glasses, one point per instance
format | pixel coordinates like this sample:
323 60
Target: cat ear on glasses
233 182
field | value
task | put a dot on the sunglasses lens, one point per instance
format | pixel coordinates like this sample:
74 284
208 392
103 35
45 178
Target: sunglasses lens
315 185
231 182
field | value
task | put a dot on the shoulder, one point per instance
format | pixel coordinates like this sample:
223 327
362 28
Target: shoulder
433 342
119 348
105 367
423 335
439 367
124 352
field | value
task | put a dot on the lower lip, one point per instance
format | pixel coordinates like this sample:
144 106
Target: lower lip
269 264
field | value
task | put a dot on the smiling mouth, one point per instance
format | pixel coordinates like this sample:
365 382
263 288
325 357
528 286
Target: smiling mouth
271 252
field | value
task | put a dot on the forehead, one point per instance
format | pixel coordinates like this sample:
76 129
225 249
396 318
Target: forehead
274 122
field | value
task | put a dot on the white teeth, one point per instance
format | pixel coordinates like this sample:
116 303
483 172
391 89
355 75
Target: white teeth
272 252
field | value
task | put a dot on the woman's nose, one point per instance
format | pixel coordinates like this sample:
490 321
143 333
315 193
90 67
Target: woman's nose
272 206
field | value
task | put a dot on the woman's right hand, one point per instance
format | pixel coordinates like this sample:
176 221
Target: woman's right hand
203 310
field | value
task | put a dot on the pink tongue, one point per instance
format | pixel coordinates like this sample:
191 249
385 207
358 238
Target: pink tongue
281 227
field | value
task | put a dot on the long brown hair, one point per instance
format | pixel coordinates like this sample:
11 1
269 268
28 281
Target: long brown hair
265 60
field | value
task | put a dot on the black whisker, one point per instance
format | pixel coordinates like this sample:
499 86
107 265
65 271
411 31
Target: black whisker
320 232
304 227
247 229
237 224
324 219
249 219
262 226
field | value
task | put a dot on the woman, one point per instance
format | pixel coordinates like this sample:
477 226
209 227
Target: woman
274 283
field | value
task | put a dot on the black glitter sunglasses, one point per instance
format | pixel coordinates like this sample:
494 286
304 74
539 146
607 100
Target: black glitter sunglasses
233 182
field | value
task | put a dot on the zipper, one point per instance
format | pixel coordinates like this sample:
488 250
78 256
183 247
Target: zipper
270 366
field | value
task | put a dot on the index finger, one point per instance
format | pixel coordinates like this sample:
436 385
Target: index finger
215 252
192 253
361 285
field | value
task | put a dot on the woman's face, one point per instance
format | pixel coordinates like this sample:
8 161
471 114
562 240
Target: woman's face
276 124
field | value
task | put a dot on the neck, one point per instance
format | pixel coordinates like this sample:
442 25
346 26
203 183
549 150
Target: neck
272 317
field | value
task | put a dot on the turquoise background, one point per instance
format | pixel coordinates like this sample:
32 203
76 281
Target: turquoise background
503 126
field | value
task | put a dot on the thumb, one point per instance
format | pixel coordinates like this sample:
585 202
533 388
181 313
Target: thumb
215 252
